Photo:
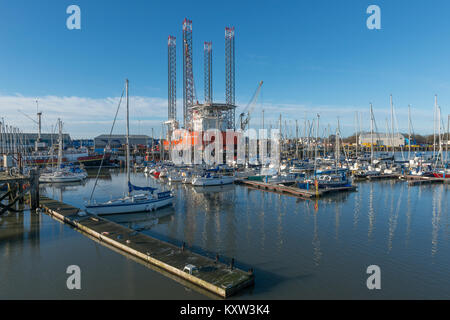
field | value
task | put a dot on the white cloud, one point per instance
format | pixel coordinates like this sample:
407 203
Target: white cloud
88 117
84 117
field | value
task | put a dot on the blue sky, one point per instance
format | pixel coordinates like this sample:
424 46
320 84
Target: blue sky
313 56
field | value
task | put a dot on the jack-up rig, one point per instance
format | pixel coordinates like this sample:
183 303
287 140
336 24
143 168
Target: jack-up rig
201 116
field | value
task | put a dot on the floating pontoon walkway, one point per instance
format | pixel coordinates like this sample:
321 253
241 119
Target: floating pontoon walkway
377 177
415 180
302 193
216 277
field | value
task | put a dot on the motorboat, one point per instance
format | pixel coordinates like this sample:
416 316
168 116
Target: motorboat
212 180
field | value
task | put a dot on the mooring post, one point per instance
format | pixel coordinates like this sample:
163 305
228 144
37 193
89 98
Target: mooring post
34 189
21 199
13 191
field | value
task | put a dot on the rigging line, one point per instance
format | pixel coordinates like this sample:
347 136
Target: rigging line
107 145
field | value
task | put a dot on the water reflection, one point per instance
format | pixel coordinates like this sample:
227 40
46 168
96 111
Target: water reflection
408 217
141 221
436 218
19 230
371 212
393 216
316 242
282 234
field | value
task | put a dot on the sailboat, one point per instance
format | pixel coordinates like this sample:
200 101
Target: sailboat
149 200
62 174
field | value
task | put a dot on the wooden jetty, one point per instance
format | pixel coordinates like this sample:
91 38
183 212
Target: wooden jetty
417 180
16 187
221 279
377 177
384 176
293 191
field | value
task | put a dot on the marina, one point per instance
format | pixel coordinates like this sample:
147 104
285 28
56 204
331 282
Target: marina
235 157
292 244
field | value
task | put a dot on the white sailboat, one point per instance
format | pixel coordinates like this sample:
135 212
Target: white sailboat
61 175
212 180
149 200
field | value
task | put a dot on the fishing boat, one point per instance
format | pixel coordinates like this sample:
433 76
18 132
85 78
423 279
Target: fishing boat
149 200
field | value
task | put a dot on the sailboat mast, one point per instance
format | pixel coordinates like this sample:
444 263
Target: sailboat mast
448 136
356 133
316 145
371 134
60 147
128 134
392 125
409 132
434 125
439 132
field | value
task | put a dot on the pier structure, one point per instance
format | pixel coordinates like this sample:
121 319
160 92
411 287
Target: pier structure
282 188
418 180
15 187
181 264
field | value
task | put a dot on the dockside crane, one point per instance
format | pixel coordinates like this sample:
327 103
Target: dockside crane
244 117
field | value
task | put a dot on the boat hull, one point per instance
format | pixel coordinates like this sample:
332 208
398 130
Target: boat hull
212 182
151 205
49 178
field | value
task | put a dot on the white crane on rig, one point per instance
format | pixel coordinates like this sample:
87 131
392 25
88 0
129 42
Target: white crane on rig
245 114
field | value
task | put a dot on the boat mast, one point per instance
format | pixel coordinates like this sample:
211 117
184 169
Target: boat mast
338 151
392 125
317 143
296 139
304 138
434 126
448 137
60 146
439 132
127 138
371 134
356 133
409 132
153 146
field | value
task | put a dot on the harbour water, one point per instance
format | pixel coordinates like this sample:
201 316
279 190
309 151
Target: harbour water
299 249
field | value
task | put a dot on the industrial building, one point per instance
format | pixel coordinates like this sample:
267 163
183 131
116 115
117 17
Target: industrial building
382 139
47 139
118 140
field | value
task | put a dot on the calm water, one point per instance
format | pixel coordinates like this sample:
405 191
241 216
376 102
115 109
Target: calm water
298 248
